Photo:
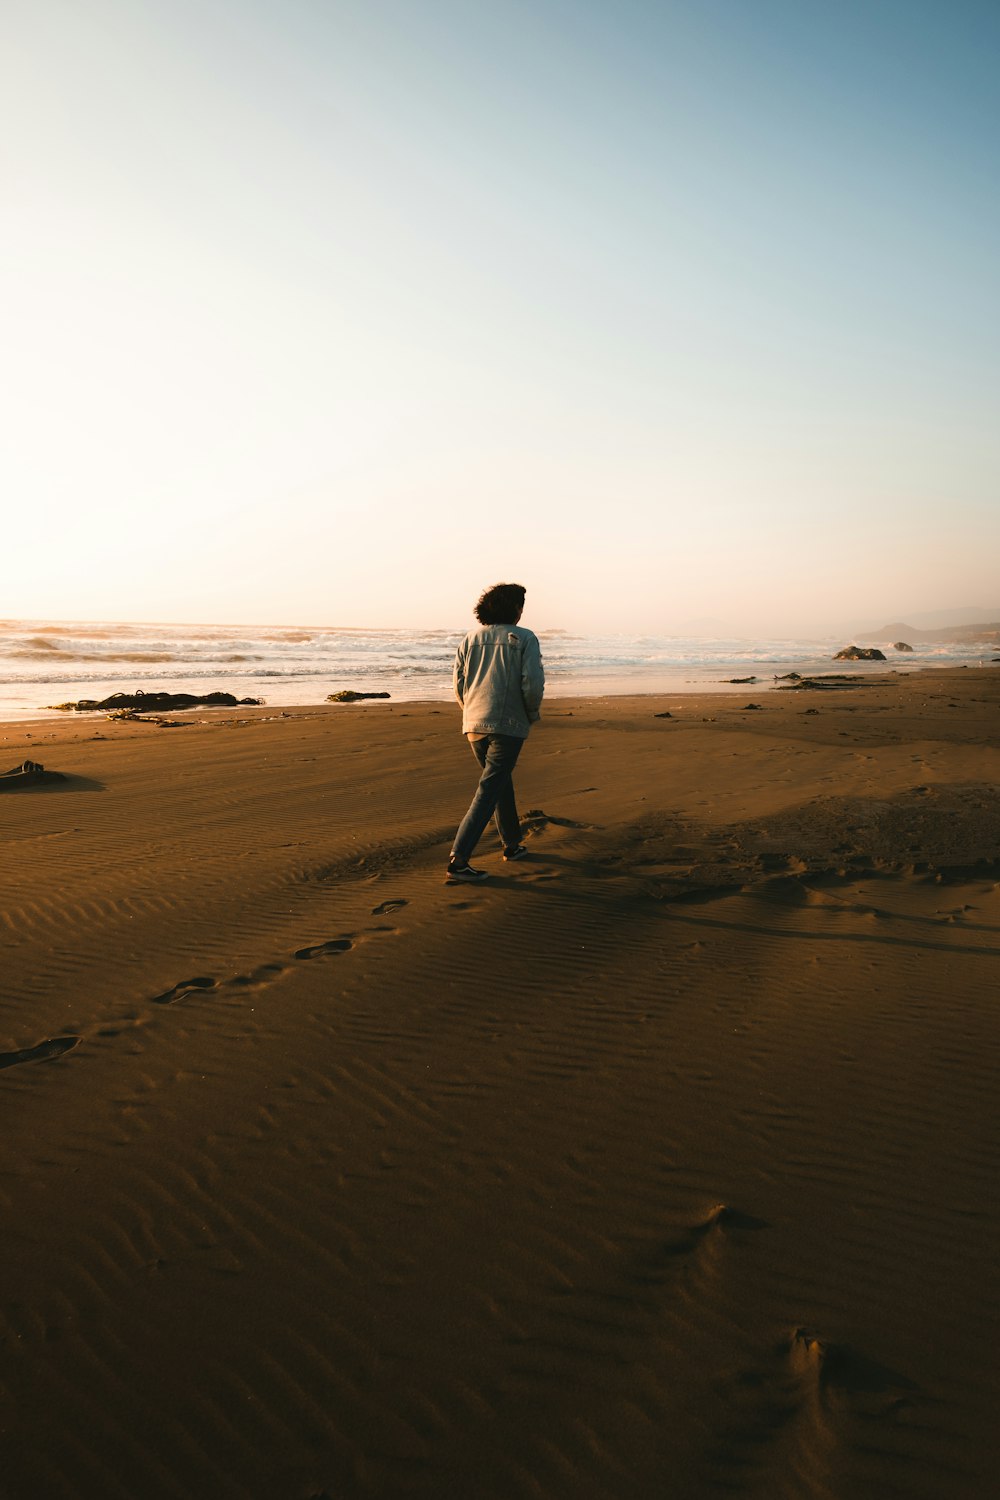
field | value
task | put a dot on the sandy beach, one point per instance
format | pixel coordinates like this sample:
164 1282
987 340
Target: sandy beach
662 1165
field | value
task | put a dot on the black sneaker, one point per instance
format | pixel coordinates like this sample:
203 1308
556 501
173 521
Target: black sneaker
517 852
465 872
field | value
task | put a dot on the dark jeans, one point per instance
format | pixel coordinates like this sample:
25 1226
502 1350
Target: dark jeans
497 754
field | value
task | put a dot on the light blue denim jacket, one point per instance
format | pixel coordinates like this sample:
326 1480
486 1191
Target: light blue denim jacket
499 680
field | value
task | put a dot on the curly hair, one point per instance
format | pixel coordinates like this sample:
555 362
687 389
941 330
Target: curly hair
501 604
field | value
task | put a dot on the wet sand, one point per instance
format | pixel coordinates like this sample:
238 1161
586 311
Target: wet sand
663 1164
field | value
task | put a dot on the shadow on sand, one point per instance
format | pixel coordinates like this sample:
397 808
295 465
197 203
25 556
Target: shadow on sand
31 777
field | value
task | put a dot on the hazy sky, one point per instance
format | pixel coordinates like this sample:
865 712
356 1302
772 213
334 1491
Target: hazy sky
334 311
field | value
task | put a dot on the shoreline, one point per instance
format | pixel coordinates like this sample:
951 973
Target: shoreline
868 674
662 1162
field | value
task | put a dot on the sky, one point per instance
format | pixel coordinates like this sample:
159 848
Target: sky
337 311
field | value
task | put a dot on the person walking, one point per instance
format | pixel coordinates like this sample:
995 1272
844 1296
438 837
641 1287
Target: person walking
499 681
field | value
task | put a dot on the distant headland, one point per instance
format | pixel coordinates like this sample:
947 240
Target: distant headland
988 633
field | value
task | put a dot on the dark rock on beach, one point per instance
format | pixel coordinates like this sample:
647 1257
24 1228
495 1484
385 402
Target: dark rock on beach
860 653
158 701
833 680
350 696
901 646
29 773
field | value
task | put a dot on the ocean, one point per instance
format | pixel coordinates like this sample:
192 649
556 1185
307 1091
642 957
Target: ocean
46 662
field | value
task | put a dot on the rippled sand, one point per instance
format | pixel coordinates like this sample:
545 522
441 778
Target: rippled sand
661 1165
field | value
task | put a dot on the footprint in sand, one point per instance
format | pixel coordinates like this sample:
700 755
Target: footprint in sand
185 987
805 1380
536 819
843 1375
263 974
55 1047
320 950
698 1240
385 907
722 1220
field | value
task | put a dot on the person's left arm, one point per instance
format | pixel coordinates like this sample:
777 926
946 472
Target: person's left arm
532 677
